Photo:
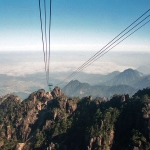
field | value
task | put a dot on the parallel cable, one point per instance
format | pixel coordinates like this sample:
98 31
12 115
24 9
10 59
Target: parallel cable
114 38
112 43
95 55
45 42
98 53
42 33
45 38
118 43
50 12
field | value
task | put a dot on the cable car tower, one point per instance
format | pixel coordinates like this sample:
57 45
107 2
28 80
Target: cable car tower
50 85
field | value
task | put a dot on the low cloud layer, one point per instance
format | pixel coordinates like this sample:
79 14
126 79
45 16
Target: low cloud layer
68 63
22 69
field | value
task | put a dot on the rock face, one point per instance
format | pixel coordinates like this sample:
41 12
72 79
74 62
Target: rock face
71 105
9 97
8 132
20 146
1 143
57 92
33 108
22 115
29 115
100 141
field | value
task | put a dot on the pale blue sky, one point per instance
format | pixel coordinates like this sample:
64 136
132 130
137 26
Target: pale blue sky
76 24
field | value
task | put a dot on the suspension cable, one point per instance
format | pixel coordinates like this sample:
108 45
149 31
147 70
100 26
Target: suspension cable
99 52
45 40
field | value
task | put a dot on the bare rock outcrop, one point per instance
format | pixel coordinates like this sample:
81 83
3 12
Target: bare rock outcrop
20 146
8 132
51 146
71 105
57 92
1 143
100 141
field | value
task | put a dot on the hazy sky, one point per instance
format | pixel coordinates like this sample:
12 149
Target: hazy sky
76 24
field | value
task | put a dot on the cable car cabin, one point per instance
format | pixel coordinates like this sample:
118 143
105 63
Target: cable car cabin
50 85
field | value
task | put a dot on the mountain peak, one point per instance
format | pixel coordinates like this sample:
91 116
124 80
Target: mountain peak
74 81
127 77
130 71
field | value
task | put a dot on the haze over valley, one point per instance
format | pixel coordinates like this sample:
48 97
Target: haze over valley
23 72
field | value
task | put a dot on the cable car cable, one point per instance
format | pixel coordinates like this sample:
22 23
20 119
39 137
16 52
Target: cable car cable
112 44
119 42
45 37
42 34
95 55
50 12
75 72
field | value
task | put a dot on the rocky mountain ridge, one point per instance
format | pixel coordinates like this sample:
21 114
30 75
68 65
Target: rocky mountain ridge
52 121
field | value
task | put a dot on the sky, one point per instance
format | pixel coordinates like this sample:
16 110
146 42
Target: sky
79 28
76 24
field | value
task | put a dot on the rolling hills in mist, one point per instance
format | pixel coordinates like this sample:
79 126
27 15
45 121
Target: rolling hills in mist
128 81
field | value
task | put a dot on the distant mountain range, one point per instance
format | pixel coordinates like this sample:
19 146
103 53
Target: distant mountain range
142 83
93 79
128 81
144 69
76 88
24 85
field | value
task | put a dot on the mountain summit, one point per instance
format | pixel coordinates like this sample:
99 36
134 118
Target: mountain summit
127 77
